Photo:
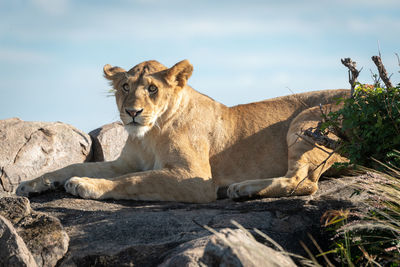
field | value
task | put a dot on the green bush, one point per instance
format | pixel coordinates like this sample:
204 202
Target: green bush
370 125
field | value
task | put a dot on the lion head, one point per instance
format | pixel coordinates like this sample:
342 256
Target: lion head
145 92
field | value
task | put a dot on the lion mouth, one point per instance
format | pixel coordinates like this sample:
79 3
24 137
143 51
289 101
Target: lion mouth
134 123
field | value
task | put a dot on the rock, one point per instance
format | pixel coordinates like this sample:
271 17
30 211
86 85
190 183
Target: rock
14 208
227 248
13 251
30 149
187 254
108 141
43 235
124 233
238 248
45 238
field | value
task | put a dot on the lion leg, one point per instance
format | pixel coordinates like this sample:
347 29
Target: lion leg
55 179
159 185
306 163
301 179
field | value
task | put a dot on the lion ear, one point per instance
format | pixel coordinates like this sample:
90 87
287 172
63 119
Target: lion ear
180 72
111 72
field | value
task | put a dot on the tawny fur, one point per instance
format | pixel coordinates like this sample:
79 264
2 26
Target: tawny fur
184 145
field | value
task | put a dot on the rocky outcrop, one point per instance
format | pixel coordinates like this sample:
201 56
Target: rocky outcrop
30 149
122 233
108 141
125 233
36 236
13 251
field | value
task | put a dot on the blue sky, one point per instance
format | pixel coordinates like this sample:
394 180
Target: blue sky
52 51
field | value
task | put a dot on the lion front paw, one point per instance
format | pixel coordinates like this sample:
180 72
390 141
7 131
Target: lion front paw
35 186
83 187
25 188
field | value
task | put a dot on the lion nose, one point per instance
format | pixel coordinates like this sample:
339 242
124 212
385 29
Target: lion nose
133 112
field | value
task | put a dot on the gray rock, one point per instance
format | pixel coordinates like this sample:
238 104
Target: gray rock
124 233
187 254
238 248
227 248
108 141
30 149
14 208
43 235
45 238
13 251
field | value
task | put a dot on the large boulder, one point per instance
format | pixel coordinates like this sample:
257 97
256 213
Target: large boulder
139 233
108 141
30 149
37 235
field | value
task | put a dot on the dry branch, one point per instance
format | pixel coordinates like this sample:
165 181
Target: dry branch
382 71
321 139
353 72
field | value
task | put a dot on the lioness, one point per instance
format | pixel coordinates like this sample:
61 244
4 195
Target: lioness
183 145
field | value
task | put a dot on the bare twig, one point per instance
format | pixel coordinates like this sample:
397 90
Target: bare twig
298 98
307 250
311 143
301 101
321 139
269 239
328 262
353 72
382 71
333 128
379 48
398 59
369 257
312 171
375 77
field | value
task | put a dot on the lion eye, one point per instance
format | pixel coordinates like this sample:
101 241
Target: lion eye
125 87
152 89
